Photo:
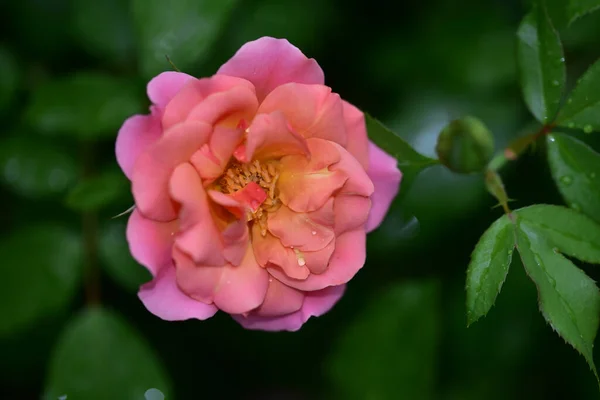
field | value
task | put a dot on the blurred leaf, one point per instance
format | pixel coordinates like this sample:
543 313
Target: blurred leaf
578 8
184 30
104 28
97 192
576 170
495 186
488 268
99 356
154 394
389 351
33 167
117 260
409 161
43 265
582 109
9 78
569 299
541 64
87 105
572 233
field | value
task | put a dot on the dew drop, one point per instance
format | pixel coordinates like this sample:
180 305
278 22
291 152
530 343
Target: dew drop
588 129
575 206
301 262
538 259
313 233
566 180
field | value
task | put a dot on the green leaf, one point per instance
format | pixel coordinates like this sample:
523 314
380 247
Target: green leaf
97 192
541 64
43 265
576 170
578 8
582 109
488 268
35 168
104 28
410 161
87 105
184 30
9 78
389 351
569 300
572 233
117 260
99 356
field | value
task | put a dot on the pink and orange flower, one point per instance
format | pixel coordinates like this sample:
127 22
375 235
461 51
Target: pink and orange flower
254 190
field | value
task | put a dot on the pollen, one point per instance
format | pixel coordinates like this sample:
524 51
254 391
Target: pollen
266 175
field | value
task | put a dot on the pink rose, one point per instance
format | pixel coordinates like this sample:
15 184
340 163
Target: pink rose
254 190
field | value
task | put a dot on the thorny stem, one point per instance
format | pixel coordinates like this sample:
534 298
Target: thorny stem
89 225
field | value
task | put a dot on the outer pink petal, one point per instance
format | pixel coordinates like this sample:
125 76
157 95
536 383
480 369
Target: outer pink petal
270 137
193 93
358 141
198 235
311 110
242 288
306 185
269 62
197 281
153 168
280 300
386 177
358 183
315 304
270 252
163 298
351 212
135 136
163 87
150 242
348 257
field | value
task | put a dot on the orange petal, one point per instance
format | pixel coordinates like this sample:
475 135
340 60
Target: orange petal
271 253
280 300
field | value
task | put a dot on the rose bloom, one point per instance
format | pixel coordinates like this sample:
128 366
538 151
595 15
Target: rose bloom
254 190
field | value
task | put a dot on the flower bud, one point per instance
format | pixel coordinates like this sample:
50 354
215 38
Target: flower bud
465 145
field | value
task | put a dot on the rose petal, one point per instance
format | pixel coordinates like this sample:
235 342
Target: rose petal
242 288
250 196
269 62
306 185
311 110
163 298
233 225
198 235
150 242
270 137
271 253
163 87
197 281
358 183
279 300
226 108
358 141
211 159
315 304
351 212
303 231
386 177
194 92
348 257
154 167
318 261
134 137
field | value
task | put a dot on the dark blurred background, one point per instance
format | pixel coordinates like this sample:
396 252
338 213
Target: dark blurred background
71 71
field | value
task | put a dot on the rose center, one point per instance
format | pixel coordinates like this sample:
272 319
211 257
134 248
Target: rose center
265 175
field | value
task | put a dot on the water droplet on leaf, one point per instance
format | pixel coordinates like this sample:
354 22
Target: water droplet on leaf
566 180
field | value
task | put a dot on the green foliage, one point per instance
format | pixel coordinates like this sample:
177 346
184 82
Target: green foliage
185 31
33 167
370 362
578 8
85 106
116 258
410 161
576 170
488 268
582 109
43 266
97 192
541 63
9 78
569 300
104 28
100 356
